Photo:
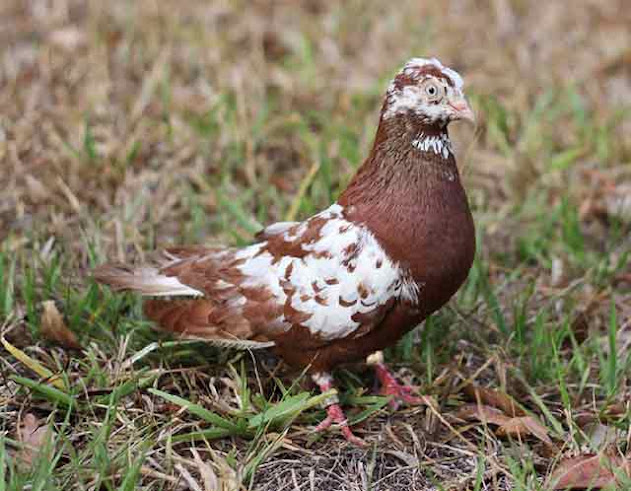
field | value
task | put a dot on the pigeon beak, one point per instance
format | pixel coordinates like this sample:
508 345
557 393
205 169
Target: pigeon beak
460 110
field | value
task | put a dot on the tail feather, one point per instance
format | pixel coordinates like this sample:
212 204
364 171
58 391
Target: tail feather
145 279
217 319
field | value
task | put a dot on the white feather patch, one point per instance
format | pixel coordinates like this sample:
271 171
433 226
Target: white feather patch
326 283
150 282
278 228
437 144
416 63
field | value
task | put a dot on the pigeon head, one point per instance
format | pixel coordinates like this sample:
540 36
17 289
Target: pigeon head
429 92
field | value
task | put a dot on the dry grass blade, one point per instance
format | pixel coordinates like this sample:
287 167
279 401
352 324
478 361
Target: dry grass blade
206 472
54 328
589 472
33 364
193 485
126 126
302 190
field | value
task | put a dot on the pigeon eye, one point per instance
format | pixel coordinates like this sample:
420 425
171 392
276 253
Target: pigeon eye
433 91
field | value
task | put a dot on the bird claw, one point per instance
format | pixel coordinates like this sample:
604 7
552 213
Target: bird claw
335 414
398 393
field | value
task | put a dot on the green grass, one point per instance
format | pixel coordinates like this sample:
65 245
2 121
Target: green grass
221 146
500 310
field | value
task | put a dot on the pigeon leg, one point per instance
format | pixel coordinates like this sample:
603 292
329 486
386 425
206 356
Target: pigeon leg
389 384
334 412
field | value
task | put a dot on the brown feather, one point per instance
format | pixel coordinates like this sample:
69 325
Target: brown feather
412 202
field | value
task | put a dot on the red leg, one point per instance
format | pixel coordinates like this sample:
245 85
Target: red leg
334 412
390 386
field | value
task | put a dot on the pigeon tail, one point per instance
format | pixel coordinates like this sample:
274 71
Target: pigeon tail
147 280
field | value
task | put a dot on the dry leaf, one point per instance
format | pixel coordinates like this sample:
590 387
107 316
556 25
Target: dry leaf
602 436
485 414
495 398
54 328
32 434
589 472
616 409
523 426
513 427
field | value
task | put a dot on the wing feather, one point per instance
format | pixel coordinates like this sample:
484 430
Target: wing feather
326 275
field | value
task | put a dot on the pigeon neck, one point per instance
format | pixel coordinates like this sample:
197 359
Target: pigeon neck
409 161
412 200
409 130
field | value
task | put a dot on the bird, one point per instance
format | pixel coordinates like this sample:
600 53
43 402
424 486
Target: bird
349 281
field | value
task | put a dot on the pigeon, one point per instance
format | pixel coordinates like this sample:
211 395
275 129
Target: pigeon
350 280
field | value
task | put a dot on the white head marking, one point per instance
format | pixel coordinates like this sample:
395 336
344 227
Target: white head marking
404 97
416 63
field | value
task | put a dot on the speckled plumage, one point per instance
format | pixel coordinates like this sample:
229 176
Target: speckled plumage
353 278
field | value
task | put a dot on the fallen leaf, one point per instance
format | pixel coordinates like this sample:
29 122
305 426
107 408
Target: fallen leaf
601 435
589 472
616 409
523 426
54 328
583 419
32 433
514 427
485 414
494 398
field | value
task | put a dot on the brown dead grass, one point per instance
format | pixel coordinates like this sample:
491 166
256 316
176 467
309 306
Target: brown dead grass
138 73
